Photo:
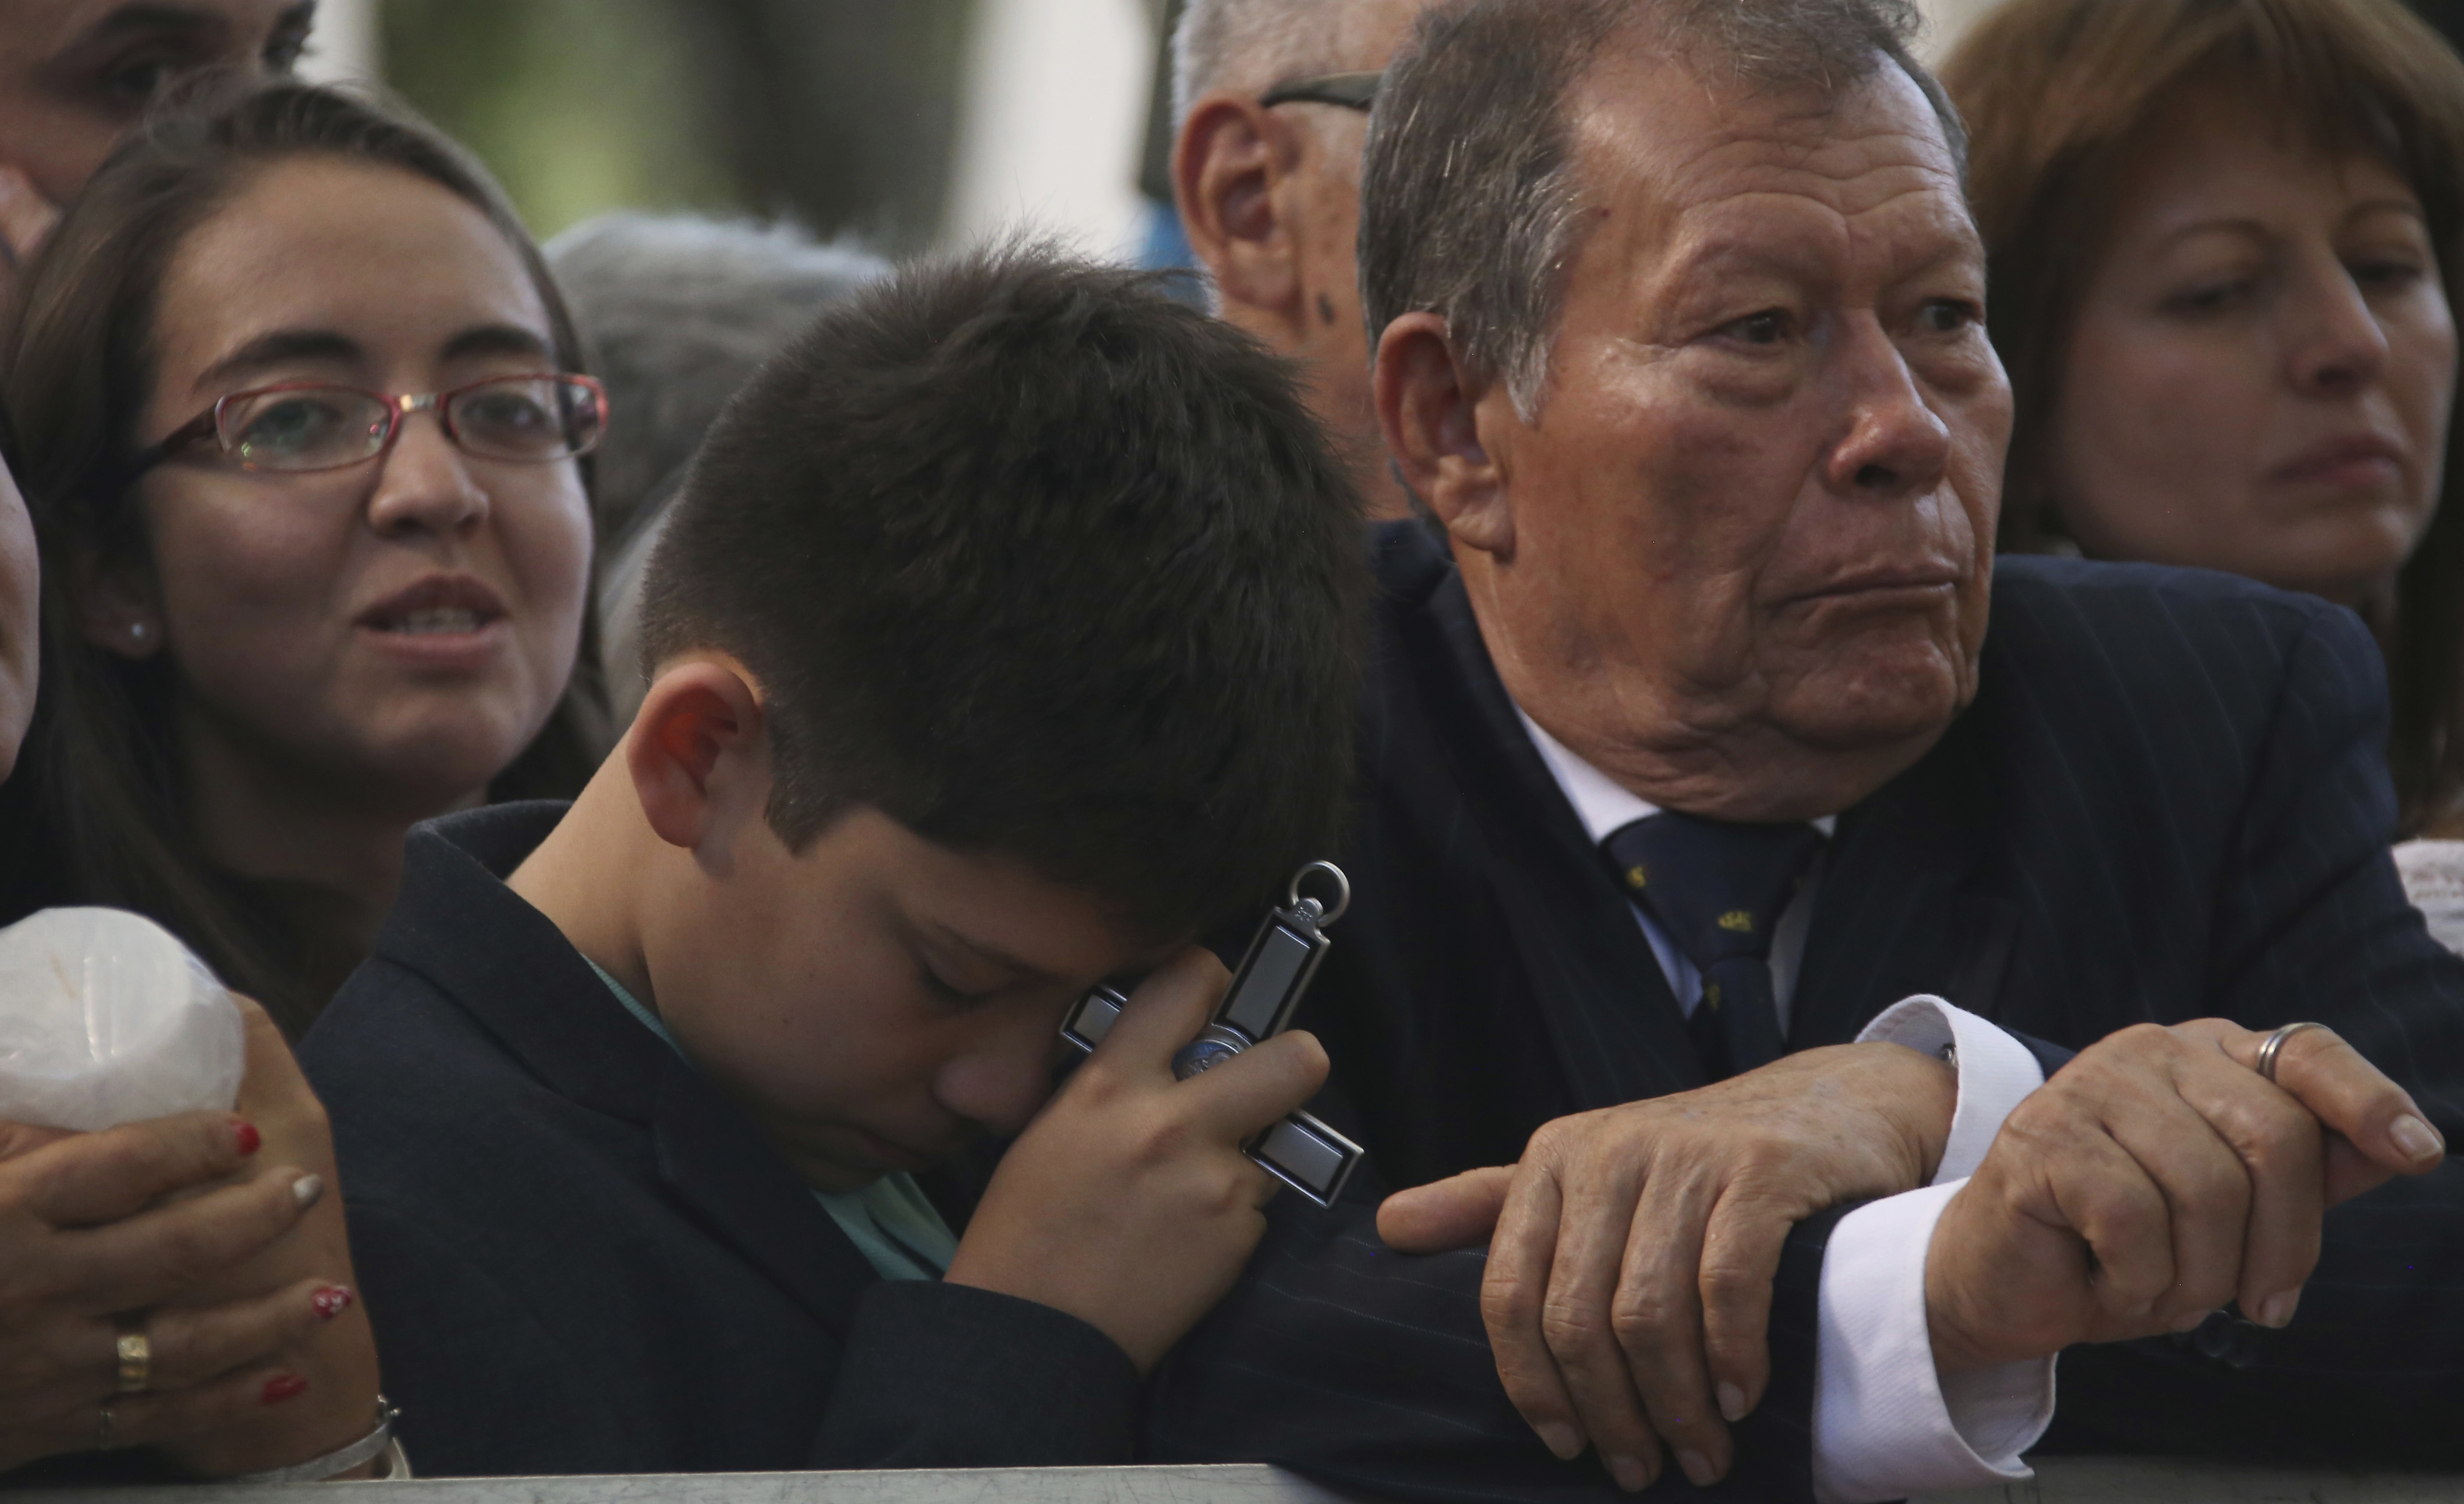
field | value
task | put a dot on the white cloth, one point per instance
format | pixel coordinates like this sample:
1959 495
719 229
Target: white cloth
1886 1424
2434 879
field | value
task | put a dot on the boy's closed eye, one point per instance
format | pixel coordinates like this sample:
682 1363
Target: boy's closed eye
964 972
936 981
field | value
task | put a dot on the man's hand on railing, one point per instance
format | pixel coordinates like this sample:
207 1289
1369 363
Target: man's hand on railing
2156 1178
1630 1275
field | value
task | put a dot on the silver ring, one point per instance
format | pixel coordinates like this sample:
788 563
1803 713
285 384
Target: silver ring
102 1427
2275 1045
1342 890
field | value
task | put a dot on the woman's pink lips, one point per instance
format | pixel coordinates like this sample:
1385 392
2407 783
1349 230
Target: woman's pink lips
2350 475
2352 463
435 592
385 624
466 651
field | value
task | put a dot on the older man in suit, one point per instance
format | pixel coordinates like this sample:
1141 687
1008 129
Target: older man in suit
1693 775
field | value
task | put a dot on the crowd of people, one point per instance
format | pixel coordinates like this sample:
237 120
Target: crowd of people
1865 641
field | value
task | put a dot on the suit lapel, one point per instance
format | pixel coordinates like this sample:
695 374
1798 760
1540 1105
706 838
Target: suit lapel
506 963
1611 1019
711 1159
1899 911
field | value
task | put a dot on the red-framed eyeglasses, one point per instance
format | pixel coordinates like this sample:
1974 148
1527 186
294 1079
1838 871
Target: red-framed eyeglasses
303 426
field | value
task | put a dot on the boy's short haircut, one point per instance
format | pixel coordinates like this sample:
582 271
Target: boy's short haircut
1040 562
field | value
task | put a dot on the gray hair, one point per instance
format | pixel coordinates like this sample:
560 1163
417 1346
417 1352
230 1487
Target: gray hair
1470 206
1251 44
677 310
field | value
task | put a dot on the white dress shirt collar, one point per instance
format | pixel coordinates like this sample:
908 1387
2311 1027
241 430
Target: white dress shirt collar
1603 804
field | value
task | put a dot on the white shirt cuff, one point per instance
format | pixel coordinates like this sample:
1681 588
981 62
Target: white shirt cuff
1886 1424
1995 1071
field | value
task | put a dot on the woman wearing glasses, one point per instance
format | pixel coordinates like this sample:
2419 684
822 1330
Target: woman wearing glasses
303 436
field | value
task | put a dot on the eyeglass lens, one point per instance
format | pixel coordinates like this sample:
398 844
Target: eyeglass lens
533 418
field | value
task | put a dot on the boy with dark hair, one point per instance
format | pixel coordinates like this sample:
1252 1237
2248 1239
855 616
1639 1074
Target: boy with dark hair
1003 642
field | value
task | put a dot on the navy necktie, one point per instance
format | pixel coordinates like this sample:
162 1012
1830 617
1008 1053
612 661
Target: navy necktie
1717 891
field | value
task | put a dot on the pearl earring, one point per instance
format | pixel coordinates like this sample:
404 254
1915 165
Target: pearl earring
136 632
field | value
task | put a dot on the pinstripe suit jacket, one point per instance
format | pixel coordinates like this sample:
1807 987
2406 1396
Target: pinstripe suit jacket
2168 800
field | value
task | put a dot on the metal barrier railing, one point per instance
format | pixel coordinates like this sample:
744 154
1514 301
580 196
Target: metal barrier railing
1194 1484
2059 1480
2147 1480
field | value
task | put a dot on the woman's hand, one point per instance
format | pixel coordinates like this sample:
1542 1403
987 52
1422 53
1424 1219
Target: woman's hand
1128 1203
329 1368
216 1235
81 1240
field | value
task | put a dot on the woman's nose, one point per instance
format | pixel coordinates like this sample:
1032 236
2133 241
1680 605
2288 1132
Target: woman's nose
424 482
2337 345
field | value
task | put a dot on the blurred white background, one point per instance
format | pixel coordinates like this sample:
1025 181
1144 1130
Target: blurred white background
905 123
1055 105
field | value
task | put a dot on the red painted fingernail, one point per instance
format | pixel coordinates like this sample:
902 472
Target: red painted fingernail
284 1386
246 1134
330 1302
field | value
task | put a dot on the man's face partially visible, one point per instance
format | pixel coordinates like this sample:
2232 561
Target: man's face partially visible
77 73
1281 246
1751 530
876 1001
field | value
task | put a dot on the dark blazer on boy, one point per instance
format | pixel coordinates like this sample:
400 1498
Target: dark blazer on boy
2168 800
580 1258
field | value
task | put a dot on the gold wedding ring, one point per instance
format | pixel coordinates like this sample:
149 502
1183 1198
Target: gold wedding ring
135 1362
2275 1045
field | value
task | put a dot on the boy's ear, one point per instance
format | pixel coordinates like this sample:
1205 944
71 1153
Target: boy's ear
693 749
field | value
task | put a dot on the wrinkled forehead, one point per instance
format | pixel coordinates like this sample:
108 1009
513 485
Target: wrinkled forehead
1669 150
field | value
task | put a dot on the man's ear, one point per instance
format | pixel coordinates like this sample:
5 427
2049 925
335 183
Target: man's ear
1430 413
695 750
115 606
1228 166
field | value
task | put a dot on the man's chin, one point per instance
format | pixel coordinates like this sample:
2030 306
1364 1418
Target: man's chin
1874 704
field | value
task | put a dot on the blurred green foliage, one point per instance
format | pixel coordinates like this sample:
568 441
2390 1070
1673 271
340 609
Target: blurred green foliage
577 105
841 113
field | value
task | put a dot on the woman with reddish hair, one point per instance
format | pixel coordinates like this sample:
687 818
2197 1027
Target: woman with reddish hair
2225 239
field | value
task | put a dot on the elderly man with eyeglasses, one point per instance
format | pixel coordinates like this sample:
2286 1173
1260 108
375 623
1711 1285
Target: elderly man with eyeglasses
1271 99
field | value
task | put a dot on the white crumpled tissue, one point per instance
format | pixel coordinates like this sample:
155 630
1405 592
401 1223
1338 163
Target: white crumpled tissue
2434 879
105 1017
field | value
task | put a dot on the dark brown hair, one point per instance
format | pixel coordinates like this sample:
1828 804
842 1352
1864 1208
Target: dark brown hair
2059 92
99 815
1036 560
